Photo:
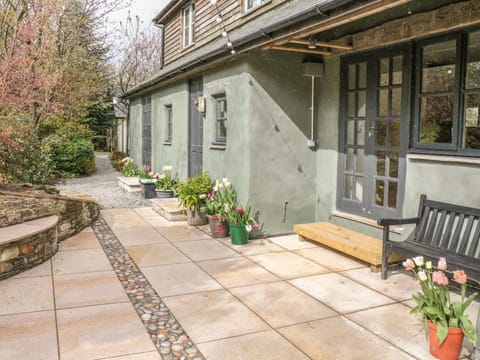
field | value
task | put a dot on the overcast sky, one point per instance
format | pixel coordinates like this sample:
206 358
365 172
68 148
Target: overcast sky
145 9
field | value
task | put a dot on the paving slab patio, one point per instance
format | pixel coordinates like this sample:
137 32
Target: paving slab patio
275 298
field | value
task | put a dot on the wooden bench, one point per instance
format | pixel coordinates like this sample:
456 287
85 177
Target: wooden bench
442 230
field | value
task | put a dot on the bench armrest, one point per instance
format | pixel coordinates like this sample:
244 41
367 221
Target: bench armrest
383 222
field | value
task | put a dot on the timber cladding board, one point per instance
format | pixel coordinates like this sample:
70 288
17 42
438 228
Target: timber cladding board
206 27
357 245
419 25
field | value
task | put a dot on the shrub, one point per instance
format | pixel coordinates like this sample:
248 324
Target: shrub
21 158
193 191
71 156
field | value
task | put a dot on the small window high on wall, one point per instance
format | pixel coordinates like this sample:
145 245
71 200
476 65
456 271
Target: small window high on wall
447 103
168 123
221 119
252 4
188 16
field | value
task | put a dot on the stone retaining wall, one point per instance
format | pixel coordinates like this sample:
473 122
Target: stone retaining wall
26 253
27 203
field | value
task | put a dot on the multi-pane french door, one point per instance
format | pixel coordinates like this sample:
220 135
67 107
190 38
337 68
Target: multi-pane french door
375 103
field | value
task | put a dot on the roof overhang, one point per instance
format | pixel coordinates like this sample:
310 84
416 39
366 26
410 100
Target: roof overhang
321 20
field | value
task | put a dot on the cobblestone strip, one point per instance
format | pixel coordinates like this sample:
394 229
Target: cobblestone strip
166 333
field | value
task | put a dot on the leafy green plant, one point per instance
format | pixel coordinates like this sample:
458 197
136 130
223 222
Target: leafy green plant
193 191
434 303
21 157
74 156
165 181
128 167
220 199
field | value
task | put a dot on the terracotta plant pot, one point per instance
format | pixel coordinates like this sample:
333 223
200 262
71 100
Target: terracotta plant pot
196 218
450 348
218 232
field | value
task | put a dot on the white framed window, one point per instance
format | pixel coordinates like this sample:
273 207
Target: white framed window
252 4
169 123
221 119
188 15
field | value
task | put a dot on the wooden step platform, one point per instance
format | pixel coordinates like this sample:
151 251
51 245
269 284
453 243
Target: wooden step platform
357 245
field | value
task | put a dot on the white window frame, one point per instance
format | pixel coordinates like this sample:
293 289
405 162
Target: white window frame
168 123
253 4
188 24
221 117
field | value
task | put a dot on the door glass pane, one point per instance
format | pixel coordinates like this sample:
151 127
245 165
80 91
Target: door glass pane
382 133
351 77
379 192
394 132
360 160
384 72
471 131
438 66
392 194
347 191
383 102
359 188
381 155
349 161
361 104
393 164
397 70
351 104
361 132
350 132
396 101
362 75
473 61
436 119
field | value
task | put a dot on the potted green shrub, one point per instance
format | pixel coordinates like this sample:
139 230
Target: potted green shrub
165 183
192 194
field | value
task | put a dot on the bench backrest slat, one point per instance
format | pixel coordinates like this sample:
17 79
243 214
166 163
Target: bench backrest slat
475 240
432 224
452 246
448 230
462 249
438 232
420 231
450 227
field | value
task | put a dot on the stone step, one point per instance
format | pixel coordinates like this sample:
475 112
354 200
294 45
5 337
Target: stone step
169 209
355 244
25 245
129 183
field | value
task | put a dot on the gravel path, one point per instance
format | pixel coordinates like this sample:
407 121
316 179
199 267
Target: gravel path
103 186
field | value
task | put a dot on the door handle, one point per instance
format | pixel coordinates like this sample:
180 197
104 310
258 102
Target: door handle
371 129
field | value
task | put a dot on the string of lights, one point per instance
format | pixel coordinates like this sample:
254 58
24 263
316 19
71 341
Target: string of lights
225 33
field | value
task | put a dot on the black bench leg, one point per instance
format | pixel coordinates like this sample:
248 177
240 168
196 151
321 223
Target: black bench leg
384 266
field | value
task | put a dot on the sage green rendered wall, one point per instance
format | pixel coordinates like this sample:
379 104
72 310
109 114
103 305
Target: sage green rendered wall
176 152
266 157
456 183
327 114
135 130
282 178
233 161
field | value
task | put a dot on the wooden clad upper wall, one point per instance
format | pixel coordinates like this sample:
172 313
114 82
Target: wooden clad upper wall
206 26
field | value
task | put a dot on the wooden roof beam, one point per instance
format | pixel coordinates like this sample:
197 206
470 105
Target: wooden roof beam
321 44
300 50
